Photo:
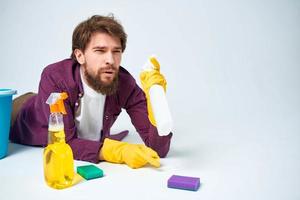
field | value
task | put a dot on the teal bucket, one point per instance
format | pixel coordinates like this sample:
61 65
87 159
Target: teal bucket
5 112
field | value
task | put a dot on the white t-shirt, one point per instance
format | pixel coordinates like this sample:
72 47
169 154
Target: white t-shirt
89 115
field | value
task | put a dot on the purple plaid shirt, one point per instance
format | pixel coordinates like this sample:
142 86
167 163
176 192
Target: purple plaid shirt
31 126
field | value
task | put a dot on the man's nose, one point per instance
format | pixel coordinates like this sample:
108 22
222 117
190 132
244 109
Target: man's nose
109 59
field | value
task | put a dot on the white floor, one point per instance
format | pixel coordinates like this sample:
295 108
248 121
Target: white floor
241 162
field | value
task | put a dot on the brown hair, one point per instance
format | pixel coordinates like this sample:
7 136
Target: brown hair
97 23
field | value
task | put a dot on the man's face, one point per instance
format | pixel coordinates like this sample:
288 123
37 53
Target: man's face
101 61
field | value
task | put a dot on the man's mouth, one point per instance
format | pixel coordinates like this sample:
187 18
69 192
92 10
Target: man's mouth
108 72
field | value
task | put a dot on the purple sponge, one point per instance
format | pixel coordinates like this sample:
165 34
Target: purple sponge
184 182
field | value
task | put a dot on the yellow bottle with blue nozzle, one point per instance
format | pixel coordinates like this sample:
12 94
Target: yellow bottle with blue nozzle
58 156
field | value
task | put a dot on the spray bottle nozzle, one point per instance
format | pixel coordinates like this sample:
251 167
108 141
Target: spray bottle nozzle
152 64
56 102
155 63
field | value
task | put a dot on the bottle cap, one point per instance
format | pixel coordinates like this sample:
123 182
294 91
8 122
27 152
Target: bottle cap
56 102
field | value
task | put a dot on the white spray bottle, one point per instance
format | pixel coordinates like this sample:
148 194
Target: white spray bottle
159 103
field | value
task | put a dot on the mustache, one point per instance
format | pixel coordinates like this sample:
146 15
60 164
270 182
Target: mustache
108 68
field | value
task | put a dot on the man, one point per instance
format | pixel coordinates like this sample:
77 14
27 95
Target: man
98 88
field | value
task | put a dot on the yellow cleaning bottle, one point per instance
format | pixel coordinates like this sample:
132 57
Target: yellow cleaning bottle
58 156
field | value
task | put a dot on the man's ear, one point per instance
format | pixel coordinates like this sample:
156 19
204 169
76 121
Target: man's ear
79 56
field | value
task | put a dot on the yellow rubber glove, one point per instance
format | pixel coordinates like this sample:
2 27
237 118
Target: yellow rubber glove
149 78
134 155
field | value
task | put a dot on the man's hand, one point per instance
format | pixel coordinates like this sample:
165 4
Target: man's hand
149 78
134 155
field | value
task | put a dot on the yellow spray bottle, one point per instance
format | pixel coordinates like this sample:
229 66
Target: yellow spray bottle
58 156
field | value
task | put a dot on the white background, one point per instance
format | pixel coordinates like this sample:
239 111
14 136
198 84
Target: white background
233 87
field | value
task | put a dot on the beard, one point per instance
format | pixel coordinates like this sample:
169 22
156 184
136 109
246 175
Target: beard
99 86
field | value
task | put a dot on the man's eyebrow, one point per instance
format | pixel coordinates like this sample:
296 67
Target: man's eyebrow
104 47
99 47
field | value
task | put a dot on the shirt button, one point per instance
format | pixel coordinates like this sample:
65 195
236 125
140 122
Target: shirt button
106 117
80 94
76 104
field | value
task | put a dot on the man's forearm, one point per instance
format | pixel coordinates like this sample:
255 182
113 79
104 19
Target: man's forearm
100 155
